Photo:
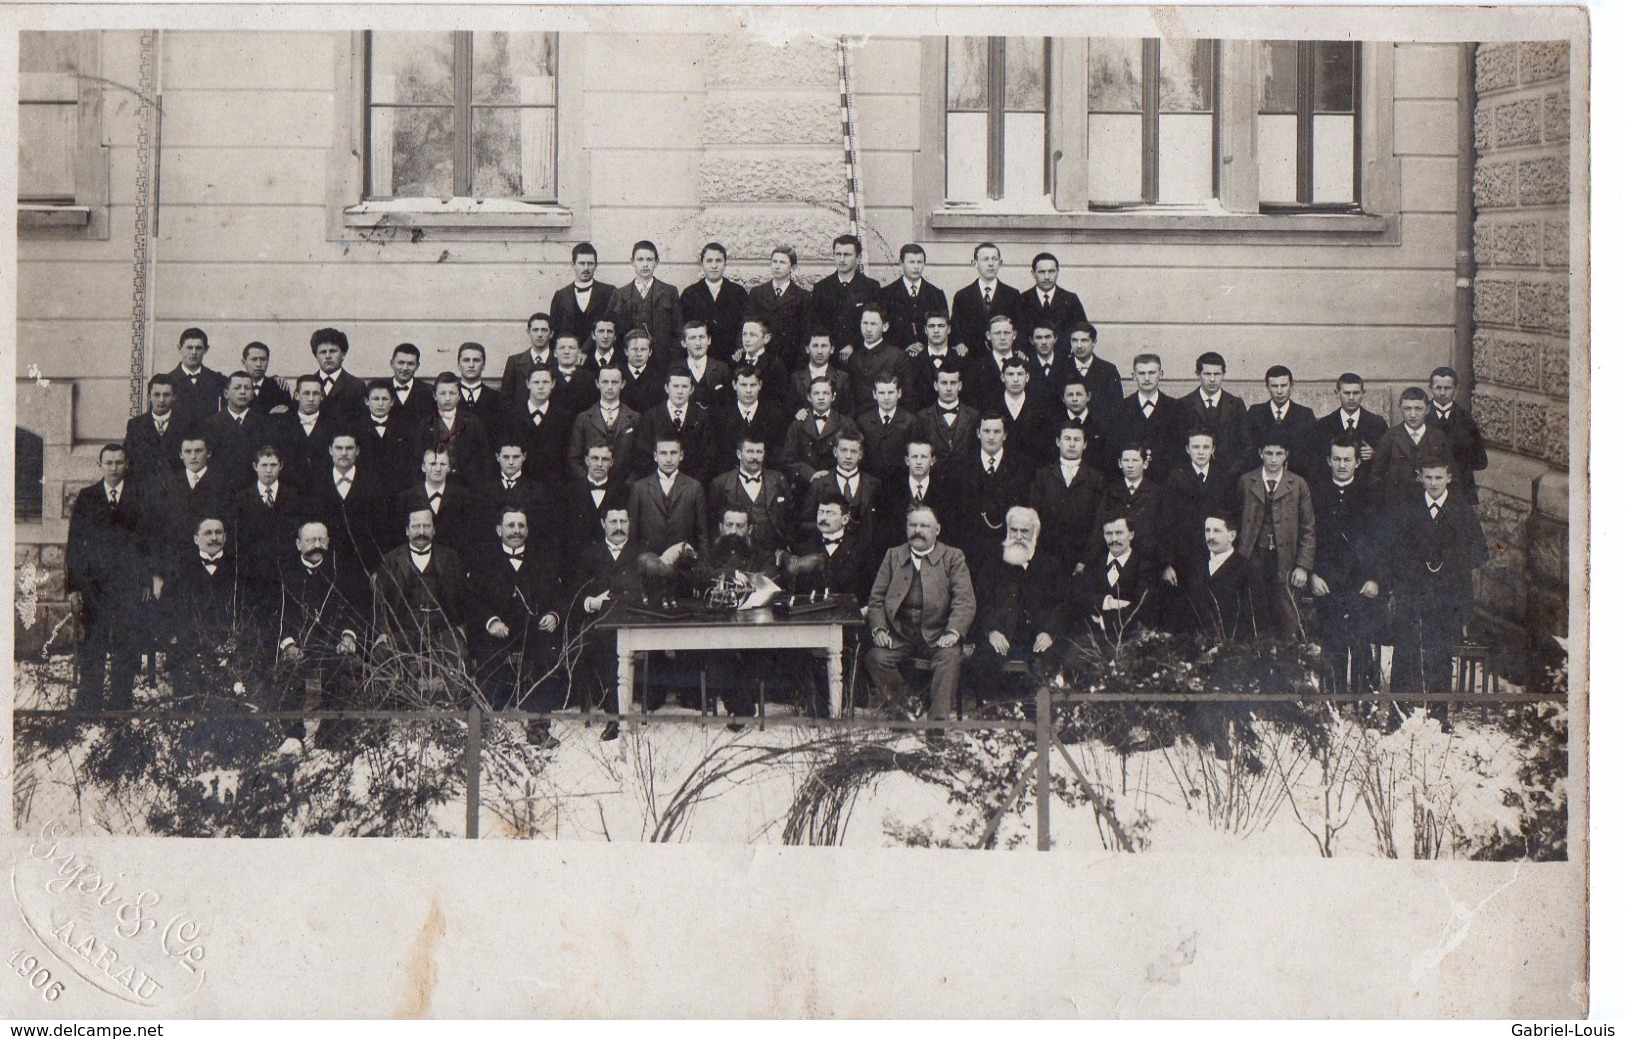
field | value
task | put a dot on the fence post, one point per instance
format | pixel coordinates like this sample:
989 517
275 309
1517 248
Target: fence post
1043 734
471 762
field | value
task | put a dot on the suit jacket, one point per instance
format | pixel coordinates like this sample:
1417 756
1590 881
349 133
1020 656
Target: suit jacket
1047 384
1067 514
886 445
972 313
987 497
578 392
529 495
807 451
866 366
596 571
1297 429
1032 434
1163 431
945 582
645 390
269 394
465 440
347 400
456 522
770 510
265 534
319 606
897 497
564 316
1397 459
775 381
788 319
153 455
713 385
417 402
1467 452
108 558
1187 502
848 570
548 448
1103 380
1144 511
1292 518
801 386
590 430
905 314
421 606
1435 558
984 381
196 401
1097 451
1368 429
949 442
580 519
656 424
518 598
232 444
1346 552
923 377
1217 604
660 312
1020 602
1139 581
305 455
1065 310
1233 450
359 525
863 506
838 308
486 405
768 425
723 313
515 387
659 521
202 608
183 505
389 454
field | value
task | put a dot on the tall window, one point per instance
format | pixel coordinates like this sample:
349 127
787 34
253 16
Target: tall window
47 116
1308 123
462 114
1153 130
998 117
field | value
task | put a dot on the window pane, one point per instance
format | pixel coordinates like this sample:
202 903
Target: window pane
411 68
1278 76
1115 76
1334 77
1185 82
56 52
1024 74
967 73
1184 158
967 156
1114 158
47 136
496 153
514 68
1334 158
1024 155
1278 158
536 154
412 147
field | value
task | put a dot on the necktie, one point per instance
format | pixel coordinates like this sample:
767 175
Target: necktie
990 467
239 419
1148 407
434 503
1210 402
987 296
344 486
1280 414
919 492
1046 301
846 487
778 291
1201 477
270 498
1113 572
162 425
677 422
885 420
1269 488
1433 508
507 484
468 395
112 497
1348 423
913 292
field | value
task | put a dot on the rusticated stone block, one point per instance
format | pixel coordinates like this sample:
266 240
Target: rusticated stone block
1555 117
1515 244
52 555
1549 549
793 178
1494 414
26 554
1503 519
1539 62
1511 362
1495 302
1483 127
1496 66
772 119
1554 244
1556 448
1495 185
1530 435
1517 122
1554 370
750 59
1543 181
1543 305
752 234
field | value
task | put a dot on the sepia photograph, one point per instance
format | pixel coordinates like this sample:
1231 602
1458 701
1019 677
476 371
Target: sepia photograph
1028 464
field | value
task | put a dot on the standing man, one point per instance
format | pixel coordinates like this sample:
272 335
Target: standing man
109 582
681 420
809 446
1150 417
1460 431
573 385
936 356
1066 494
920 483
761 493
605 353
517 609
819 366
861 490
152 439
984 373
454 506
909 300
1104 381
710 375
774 378
922 604
1075 410
355 506
1352 419
235 431
539 354
343 395
745 414
992 479
1400 455
479 400
411 396
197 389
838 300
387 437
873 359
978 303
576 308
887 429
305 434
453 430
270 395
668 515
267 515
1047 301
1030 419
541 427
1222 414
1048 369
783 306
645 385
583 501
1194 491
647 302
949 425
1284 418
1345 578
1277 537
716 299
610 423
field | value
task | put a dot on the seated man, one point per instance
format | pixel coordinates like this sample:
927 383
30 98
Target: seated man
734 558
606 573
318 643
514 637
1018 601
833 560
1118 593
1217 596
921 604
421 594
200 601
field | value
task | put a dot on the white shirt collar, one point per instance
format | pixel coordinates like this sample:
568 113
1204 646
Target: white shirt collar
1216 561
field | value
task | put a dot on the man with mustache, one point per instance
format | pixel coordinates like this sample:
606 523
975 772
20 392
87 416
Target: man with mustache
319 637
921 604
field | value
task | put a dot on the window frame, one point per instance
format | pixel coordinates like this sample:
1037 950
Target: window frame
1151 112
996 50
354 217
1305 113
86 215
1240 215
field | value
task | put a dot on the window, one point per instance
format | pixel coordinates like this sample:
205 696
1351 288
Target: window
462 114
1308 123
1153 126
61 165
998 117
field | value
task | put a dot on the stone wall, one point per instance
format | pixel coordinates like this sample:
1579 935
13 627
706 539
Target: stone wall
1521 342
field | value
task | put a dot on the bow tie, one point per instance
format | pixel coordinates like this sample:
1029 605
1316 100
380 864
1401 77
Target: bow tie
832 541
749 479
950 411
515 553
422 553
211 560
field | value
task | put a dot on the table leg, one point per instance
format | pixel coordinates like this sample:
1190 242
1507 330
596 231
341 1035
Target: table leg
835 639
623 676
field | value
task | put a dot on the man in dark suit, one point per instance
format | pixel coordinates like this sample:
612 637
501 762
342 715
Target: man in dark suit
539 354
1076 410
1046 301
887 429
1149 417
514 624
1352 419
197 389
200 605
875 358
1460 431
949 425
421 593
582 501
745 414
667 509
479 400
387 438
984 373
452 429
1017 601
1216 598
847 479
355 505
716 299
542 426
1283 418
1345 581
109 579
1066 494
305 432
679 419
838 300
606 573
980 302
831 558
576 308
992 480
711 376
270 396
783 306
235 431
1048 368
922 604
1400 454
574 388
921 482
454 506
1277 537
180 497
319 636
820 366
411 396
1104 381
909 300
266 518
763 494
611 423
1030 418
604 351
1193 492
645 385
647 302
809 446
1119 592
512 489
933 358
152 439
1222 414
774 378
343 395
1134 494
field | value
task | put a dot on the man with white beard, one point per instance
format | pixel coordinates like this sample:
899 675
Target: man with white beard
1018 598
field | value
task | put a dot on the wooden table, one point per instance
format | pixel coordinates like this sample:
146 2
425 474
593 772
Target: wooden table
746 629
